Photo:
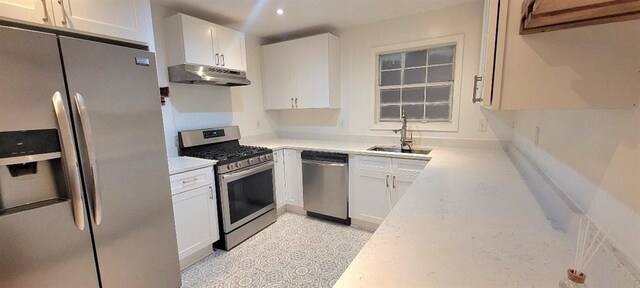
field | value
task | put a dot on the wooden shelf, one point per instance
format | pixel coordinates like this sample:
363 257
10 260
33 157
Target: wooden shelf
548 15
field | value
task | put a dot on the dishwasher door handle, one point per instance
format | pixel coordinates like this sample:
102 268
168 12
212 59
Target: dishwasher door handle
324 163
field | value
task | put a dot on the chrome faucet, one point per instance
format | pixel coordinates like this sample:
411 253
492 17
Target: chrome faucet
405 144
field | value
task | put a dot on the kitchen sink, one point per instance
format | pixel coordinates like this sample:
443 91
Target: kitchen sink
396 149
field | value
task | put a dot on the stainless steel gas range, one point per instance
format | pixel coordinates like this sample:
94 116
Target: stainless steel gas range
244 174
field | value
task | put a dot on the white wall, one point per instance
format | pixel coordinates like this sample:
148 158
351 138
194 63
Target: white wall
201 106
357 85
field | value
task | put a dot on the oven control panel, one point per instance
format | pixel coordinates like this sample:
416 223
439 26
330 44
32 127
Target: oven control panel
238 165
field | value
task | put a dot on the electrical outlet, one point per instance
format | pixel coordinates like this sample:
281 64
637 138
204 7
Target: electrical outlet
342 123
482 125
536 136
258 124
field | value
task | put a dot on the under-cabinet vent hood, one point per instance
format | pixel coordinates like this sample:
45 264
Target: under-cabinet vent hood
196 74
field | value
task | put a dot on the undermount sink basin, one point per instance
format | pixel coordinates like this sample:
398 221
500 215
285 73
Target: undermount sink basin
396 149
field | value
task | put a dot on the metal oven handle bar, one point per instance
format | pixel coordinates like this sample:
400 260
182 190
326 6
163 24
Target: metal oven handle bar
70 159
244 173
93 167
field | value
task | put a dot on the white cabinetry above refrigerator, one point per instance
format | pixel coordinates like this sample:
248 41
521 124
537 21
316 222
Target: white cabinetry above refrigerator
128 20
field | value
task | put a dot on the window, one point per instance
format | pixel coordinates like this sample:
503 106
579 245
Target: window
420 82
423 78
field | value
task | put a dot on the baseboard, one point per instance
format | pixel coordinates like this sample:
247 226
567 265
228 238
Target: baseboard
296 209
195 257
364 225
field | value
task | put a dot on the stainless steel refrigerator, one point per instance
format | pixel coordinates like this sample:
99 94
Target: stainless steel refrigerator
85 199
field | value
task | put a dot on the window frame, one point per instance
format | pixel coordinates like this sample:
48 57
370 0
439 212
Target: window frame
450 126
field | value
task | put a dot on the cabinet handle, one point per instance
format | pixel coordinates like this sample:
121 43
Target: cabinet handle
292 103
211 192
393 182
222 56
476 79
386 181
296 102
217 59
45 19
192 181
64 13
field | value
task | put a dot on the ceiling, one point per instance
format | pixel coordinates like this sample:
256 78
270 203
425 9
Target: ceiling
259 18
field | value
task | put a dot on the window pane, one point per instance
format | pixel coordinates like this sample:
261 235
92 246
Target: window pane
390 112
438 93
414 76
389 96
391 61
414 111
417 58
438 112
390 78
413 95
440 74
441 55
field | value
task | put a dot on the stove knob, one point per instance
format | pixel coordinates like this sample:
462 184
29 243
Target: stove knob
269 156
262 158
230 166
239 165
251 161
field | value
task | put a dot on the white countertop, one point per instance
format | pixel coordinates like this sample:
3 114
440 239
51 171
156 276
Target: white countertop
184 164
359 148
469 220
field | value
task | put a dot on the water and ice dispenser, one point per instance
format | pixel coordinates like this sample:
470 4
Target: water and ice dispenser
31 170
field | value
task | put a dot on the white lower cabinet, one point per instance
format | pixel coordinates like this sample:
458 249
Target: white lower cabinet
195 214
280 180
293 177
378 184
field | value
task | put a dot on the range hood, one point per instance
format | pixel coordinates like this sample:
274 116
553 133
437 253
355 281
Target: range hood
199 74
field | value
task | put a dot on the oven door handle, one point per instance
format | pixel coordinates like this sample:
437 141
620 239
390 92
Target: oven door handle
244 173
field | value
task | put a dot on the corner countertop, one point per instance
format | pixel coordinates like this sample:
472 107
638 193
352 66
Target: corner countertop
469 220
184 164
359 148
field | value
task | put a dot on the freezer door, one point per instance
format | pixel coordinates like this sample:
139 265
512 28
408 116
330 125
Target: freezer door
119 125
40 243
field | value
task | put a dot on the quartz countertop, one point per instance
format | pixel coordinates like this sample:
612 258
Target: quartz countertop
184 164
359 148
469 220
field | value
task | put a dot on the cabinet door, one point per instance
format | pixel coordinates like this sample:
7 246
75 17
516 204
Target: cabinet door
34 11
195 214
231 48
127 19
293 176
280 181
371 196
277 76
487 81
311 66
400 183
199 36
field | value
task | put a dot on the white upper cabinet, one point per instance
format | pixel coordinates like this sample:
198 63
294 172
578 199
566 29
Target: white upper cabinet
34 11
128 20
277 87
302 73
194 41
570 69
231 48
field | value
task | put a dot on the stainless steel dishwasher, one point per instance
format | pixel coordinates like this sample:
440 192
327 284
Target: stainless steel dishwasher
325 179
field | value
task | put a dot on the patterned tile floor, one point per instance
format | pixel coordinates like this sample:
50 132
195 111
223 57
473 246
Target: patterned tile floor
296 251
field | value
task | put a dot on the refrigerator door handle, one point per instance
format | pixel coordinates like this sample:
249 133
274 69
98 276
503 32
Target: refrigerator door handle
70 159
93 167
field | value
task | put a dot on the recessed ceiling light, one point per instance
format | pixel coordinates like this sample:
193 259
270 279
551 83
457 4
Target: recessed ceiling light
280 11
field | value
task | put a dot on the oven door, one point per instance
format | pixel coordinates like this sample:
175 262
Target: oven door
245 195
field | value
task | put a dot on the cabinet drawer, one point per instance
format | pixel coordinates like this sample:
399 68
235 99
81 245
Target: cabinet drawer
190 180
373 163
408 166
